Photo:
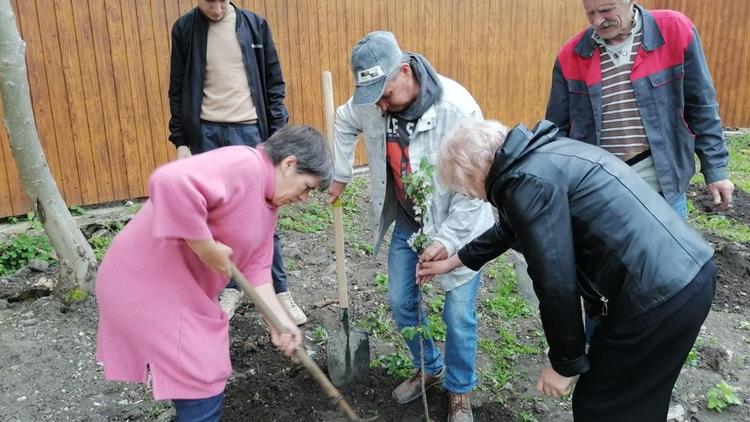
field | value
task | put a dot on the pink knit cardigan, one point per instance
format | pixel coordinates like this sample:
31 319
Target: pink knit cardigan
158 308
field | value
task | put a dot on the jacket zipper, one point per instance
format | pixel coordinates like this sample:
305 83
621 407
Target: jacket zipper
602 298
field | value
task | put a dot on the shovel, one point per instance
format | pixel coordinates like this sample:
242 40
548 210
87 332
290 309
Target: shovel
330 389
348 348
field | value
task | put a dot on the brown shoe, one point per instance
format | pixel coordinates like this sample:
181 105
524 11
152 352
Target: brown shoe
459 408
411 389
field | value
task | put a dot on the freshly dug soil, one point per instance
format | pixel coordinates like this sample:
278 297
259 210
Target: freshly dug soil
49 372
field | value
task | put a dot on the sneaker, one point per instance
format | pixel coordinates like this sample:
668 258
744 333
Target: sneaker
411 389
459 408
230 299
294 311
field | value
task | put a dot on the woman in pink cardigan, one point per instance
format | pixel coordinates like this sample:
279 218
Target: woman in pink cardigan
158 284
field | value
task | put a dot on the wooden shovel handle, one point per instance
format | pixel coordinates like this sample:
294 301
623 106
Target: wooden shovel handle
338 211
301 354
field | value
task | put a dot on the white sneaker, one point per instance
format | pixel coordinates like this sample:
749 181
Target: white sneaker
230 299
294 311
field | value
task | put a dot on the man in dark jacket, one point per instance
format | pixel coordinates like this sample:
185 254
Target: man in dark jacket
588 227
226 88
636 83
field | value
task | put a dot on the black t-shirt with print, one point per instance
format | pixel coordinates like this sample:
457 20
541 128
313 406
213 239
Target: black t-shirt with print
398 134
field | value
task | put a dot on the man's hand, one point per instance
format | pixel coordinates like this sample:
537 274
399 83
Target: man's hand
436 251
553 384
183 152
428 269
721 194
335 191
288 342
214 255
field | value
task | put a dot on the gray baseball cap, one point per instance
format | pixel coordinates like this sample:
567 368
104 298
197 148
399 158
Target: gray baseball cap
374 59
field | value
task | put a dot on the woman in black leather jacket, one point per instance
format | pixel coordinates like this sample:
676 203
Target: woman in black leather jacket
589 228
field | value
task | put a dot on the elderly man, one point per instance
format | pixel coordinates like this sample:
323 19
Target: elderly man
636 83
404 108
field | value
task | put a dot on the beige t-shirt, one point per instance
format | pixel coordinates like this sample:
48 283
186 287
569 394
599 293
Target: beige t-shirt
226 91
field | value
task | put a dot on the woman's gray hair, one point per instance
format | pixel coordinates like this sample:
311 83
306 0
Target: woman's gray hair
308 146
466 154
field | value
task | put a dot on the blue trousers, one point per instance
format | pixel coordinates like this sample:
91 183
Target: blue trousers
216 135
199 410
680 205
458 314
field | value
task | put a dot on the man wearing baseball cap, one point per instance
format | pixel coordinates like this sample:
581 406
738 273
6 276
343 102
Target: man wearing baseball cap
403 108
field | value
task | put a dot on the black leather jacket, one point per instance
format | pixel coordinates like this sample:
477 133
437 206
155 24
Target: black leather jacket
588 227
188 70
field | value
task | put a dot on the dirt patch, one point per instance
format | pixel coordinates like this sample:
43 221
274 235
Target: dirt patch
739 211
266 387
732 258
50 373
733 276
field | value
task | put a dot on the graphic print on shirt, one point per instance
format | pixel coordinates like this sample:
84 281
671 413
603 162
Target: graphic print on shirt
399 133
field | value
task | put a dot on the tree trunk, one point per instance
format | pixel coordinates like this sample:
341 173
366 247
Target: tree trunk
77 260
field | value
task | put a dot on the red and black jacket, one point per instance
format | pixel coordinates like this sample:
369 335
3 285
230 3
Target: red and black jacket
673 90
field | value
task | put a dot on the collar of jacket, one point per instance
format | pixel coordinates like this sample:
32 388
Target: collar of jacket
651 39
427 120
519 142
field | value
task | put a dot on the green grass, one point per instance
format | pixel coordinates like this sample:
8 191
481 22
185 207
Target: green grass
504 353
722 396
505 301
397 364
315 215
739 161
17 252
320 332
75 295
381 281
693 357
378 323
739 174
720 225
100 244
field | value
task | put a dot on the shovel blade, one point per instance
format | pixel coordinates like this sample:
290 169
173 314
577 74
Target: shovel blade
348 357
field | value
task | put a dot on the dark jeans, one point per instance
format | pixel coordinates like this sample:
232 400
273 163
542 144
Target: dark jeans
217 135
199 410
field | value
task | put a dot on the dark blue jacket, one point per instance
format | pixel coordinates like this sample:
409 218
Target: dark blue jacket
188 70
672 87
588 227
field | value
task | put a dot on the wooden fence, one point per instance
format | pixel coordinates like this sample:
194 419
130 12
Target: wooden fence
99 69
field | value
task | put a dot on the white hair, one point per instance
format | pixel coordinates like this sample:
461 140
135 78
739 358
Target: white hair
466 154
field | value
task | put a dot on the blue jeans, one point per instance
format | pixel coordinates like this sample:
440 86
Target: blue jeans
217 135
680 205
458 314
199 410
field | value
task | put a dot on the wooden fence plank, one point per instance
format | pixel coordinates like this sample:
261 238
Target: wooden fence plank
138 101
161 31
79 138
52 55
110 111
8 172
152 94
135 174
92 99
